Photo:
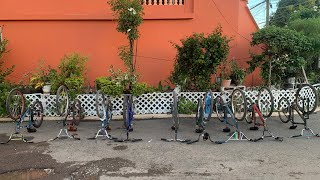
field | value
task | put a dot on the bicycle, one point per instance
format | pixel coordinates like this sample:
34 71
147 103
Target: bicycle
128 118
64 110
104 112
15 106
223 110
204 111
253 110
305 103
238 104
175 117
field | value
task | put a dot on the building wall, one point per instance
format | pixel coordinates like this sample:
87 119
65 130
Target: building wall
46 29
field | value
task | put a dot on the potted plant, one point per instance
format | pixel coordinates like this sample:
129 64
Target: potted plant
225 73
237 74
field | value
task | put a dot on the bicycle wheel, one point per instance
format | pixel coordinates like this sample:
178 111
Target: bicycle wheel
62 101
219 108
130 113
15 104
125 114
265 102
208 106
100 105
37 113
238 104
109 111
175 110
307 98
199 113
284 109
76 112
249 110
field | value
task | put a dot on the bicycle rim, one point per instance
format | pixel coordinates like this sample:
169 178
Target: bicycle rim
219 108
208 106
249 110
76 112
37 114
265 102
62 101
284 109
238 104
307 98
15 104
100 105
109 111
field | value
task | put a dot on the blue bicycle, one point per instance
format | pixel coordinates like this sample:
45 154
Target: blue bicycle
204 111
15 106
104 112
128 113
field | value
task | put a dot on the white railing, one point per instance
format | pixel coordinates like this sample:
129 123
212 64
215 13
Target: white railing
151 103
162 2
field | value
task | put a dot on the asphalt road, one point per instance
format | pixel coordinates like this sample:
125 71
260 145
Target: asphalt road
293 158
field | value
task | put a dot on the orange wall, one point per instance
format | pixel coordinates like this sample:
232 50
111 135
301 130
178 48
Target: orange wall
46 29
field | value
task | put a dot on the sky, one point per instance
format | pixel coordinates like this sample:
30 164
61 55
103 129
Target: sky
259 13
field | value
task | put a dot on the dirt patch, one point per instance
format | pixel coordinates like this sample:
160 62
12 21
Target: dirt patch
94 169
28 174
120 147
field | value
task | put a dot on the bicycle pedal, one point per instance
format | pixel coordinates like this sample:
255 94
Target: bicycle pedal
199 130
293 127
226 130
254 128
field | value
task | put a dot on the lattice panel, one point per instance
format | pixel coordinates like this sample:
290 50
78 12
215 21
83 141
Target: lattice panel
151 103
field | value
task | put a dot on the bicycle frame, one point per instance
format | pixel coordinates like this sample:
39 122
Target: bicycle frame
17 135
237 135
304 115
128 107
256 110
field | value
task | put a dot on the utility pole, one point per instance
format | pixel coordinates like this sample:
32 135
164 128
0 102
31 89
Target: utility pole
267 12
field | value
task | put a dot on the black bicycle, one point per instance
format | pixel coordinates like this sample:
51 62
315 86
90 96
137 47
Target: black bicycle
64 110
305 103
15 106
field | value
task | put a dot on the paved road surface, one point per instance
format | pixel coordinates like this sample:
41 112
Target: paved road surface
294 158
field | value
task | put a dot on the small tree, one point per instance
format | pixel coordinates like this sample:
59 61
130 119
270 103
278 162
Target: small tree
197 59
129 14
284 49
3 50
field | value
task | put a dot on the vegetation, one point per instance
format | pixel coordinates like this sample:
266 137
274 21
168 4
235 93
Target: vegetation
197 59
286 50
186 106
237 74
129 14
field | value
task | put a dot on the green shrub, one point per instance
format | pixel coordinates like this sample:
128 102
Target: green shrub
4 91
108 86
186 106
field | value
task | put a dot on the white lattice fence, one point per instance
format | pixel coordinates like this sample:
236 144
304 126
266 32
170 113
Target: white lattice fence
151 103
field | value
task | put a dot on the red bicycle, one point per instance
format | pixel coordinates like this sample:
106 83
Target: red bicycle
253 110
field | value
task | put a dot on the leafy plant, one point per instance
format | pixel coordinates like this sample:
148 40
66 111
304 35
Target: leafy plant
283 48
237 74
6 71
129 14
72 73
41 76
197 59
4 91
225 70
186 106
109 87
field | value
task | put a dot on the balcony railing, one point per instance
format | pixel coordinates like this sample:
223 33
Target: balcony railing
162 2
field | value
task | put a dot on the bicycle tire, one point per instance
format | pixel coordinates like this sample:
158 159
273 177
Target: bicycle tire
219 108
208 105
265 102
199 113
125 110
175 110
238 104
15 104
130 112
37 114
249 110
284 110
76 112
100 105
62 101
109 111
309 93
